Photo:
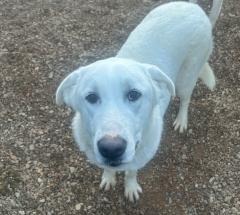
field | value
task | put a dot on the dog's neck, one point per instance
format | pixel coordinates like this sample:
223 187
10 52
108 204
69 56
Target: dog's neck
163 61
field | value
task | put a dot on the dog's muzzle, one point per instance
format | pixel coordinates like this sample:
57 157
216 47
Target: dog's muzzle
112 148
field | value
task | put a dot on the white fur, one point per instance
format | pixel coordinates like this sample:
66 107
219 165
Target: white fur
207 76
108 179
169 49
132 188
114 115
215 11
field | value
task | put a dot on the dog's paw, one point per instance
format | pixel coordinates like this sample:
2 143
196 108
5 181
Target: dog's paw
180 123
107 183
108 180
132 190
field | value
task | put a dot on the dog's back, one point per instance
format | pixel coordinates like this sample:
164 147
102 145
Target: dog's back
167 35
177 38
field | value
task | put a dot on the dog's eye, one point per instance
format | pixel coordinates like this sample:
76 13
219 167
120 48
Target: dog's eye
133 95
92 98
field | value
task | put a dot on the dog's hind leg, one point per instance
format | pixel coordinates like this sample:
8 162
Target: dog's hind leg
182 117
108 179
185 84
207 76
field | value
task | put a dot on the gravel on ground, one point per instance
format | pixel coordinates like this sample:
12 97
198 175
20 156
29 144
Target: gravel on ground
41 169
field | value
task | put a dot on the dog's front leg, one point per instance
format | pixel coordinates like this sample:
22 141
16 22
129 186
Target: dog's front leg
108 179
132 188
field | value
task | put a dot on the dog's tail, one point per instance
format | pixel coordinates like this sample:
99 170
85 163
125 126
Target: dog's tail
215 11
207 76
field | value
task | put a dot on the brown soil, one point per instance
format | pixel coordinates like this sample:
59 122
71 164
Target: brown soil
41 170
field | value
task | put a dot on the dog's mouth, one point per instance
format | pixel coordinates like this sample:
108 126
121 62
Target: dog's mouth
113 163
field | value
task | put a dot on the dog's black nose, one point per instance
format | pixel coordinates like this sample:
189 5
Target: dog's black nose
112 148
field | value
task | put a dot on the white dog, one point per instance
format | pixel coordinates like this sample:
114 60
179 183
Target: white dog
120 101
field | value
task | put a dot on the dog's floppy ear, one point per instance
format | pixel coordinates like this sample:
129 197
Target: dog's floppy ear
66 89
158 76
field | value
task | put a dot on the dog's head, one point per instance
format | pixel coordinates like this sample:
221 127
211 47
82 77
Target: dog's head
115 98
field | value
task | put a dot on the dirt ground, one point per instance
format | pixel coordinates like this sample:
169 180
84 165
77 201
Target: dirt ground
42 171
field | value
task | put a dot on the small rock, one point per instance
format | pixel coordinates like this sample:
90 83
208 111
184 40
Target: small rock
231 15
39 180
72 169
184 156
93 190
227 199
146 1
234 210
27 166
31 147
211 198
105 199
13 203
21 212
238 155
211 180
17 194
50 75
42 200
78 206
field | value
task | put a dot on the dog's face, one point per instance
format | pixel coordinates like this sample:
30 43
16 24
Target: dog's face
115 98
115 104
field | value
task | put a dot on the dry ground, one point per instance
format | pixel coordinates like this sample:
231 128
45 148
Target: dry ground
42 172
